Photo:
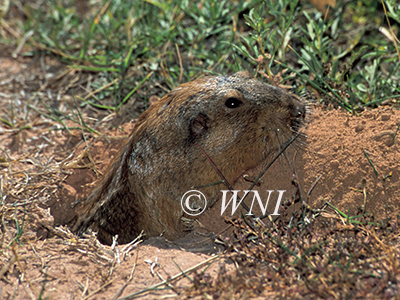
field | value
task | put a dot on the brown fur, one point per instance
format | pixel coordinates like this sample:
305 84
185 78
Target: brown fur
161 160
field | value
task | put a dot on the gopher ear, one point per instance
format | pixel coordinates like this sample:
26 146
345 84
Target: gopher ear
154 99
198 125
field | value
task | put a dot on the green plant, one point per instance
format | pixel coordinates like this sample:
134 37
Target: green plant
343 64
119 36
122 43
272 32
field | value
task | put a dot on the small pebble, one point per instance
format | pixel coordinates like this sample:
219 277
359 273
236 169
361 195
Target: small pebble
359 128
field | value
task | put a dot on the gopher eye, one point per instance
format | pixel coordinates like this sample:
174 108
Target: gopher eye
233 103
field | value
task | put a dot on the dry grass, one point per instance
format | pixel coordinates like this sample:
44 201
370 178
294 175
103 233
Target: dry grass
326 258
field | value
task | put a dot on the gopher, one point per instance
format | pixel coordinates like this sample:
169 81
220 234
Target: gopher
237 121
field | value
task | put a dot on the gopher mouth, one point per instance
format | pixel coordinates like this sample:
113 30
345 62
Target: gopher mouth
287 128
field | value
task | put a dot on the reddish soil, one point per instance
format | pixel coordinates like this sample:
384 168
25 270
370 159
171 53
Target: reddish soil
49 170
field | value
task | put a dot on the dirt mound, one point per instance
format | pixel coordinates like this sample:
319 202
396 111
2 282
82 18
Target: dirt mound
357 158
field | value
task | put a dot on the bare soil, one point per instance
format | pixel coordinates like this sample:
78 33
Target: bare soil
350 161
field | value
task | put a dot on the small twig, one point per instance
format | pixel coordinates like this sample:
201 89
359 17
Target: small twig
98 290
152 264
81 120
9 161
22 43
171 279
365 198
276 157
128 247
229 186
29 291
123 287
28 287
269 165
259 176
312 187
134 90
114 246
107 85
86 287
7 266
395 134
180 63
7 27
44 283
180 269
167 283
370 162
391 30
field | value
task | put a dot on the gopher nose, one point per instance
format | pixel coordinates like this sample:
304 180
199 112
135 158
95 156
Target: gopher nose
297 113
